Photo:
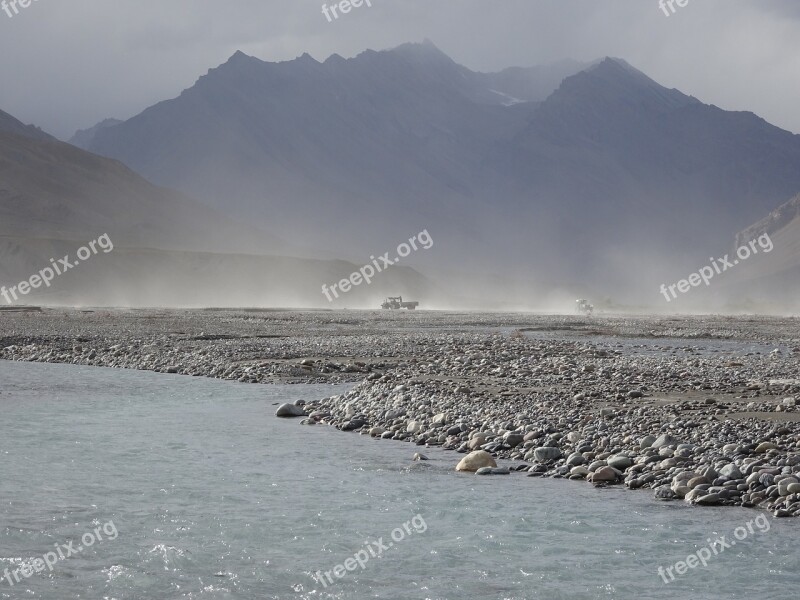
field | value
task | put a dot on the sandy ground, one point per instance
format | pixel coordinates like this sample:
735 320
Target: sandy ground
271 345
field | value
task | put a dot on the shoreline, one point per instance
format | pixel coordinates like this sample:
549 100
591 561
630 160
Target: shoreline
703 411
710 451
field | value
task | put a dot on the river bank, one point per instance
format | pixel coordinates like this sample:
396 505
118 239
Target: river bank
702 409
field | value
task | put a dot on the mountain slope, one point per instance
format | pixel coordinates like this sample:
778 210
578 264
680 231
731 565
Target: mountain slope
782 226
622 166
167 248
611 179
9 124
83 137
51 189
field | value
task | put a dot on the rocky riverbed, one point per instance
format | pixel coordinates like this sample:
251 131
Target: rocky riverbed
699 409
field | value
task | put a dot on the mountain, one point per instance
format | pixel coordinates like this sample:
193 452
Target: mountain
167 248
530 84
49 189
307 144
9 124
780 266
645 175
83 137
568 176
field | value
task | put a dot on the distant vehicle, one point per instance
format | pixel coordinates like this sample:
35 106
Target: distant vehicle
583 307
396 303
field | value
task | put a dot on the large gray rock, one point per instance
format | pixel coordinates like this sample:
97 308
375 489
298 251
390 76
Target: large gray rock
604 474
546 454
414 427
575 459
513 439
784 484
647 442
619 462
440 419
765 447
476 460
290 410
477 441
731 471
664 492
708 500
395 413
665 440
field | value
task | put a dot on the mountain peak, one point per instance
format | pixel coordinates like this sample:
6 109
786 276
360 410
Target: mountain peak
239 60
617 81
240 56
426 52
611 64
306 57
335 59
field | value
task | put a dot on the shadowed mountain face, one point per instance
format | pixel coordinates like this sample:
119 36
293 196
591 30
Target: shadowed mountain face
571 175
84 137
350 152
50 189
167 248
9 124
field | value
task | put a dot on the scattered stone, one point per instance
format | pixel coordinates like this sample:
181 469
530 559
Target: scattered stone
476 442
708 500
475 460
619 462
765 447
664 492
290 410
731 471
665 440
607 474
546 454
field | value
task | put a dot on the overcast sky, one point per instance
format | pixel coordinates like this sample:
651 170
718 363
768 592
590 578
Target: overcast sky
67 64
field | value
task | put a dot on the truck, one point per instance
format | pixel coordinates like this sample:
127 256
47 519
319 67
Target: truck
583 307
396 303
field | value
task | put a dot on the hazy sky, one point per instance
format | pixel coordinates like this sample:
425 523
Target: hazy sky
67 64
